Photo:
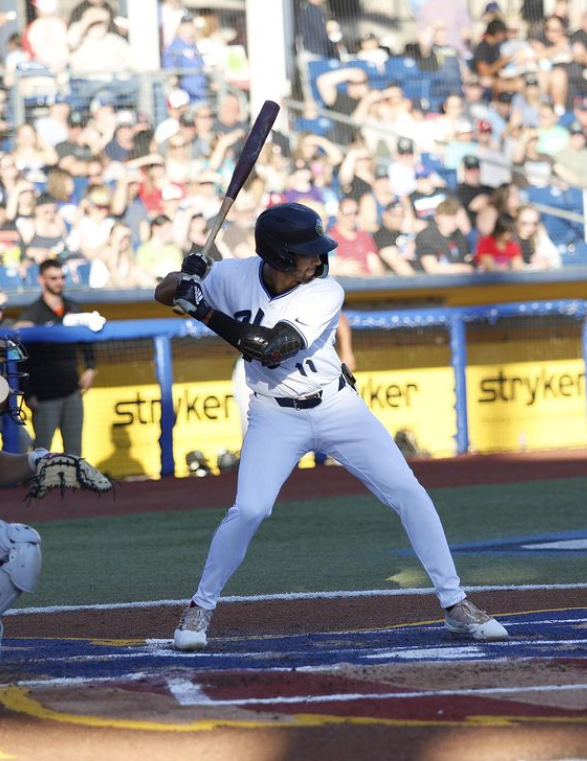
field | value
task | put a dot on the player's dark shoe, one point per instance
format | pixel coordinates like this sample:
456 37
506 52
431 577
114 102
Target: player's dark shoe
191 631
466 620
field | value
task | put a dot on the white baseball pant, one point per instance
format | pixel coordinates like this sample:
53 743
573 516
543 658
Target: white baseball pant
342 426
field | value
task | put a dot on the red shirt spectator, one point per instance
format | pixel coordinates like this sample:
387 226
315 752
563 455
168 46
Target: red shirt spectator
502 256
357 253
500 251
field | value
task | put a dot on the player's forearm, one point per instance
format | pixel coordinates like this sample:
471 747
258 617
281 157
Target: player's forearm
165 290
14 468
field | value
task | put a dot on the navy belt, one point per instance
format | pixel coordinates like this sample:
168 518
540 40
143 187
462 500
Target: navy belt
306 402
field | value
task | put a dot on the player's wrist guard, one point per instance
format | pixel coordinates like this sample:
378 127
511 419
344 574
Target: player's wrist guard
189 297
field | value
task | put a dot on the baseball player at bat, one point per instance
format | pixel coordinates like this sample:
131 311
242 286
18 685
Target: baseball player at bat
281 313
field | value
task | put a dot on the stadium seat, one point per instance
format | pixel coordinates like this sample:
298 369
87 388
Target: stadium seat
377 78
318 67
83 272
417 86
574 199
432 161
563 232
575 254
399 69
9 279
321 125
31 275
449 176
36 84
447 80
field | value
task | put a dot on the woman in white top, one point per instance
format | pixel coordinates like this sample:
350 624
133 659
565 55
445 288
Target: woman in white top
538 250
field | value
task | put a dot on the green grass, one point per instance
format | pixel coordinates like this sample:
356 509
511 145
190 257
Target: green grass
331 544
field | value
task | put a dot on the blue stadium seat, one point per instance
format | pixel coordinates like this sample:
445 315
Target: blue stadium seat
575 254
80 186
316 68
31 275
84 273
399 69
432 161
377 78
37 83
417 86
563 232
9 279
449 176
447 80
321 125
574 199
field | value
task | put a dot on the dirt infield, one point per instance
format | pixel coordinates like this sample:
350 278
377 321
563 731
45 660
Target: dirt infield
403 691
218 491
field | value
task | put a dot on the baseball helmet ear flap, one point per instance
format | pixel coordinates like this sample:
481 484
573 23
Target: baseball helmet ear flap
289 229
322 270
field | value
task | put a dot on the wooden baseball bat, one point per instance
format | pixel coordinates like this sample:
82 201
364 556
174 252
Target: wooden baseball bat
246 161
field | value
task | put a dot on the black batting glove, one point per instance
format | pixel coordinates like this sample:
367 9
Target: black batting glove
195 265
189 298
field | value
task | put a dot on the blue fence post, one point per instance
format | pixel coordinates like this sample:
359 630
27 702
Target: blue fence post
458 348
584 341
164 371
10 434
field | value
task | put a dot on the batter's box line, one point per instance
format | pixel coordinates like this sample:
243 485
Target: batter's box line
291 597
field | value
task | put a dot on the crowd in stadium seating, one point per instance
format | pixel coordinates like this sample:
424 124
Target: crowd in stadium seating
463 152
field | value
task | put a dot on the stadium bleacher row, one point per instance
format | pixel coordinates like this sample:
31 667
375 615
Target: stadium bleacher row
428 88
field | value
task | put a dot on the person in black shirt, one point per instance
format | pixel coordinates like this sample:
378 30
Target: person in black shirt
395 240
487 60
54 390
428 193
441 247
471 193
76 152
313 30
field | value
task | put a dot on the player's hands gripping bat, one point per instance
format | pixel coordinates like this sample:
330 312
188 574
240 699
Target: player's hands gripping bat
189 298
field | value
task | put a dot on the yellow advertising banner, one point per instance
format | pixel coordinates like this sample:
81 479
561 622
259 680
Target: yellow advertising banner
420 400
122 423
532 405
527 405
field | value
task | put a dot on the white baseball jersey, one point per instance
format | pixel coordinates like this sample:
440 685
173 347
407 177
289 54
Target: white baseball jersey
235 287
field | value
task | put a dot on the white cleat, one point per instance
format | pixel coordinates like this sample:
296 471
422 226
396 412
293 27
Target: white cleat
191 632
466 620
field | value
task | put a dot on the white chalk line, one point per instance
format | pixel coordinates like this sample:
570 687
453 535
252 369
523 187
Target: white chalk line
188 693
194 697
288 596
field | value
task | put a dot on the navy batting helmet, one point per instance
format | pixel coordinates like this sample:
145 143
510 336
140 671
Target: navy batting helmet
287 229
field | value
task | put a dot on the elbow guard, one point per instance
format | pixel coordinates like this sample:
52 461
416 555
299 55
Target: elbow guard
272 346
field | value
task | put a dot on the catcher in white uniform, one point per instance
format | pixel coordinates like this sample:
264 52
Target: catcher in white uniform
281 313
20 545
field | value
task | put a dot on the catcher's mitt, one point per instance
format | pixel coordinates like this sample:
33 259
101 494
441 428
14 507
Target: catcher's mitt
66 471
